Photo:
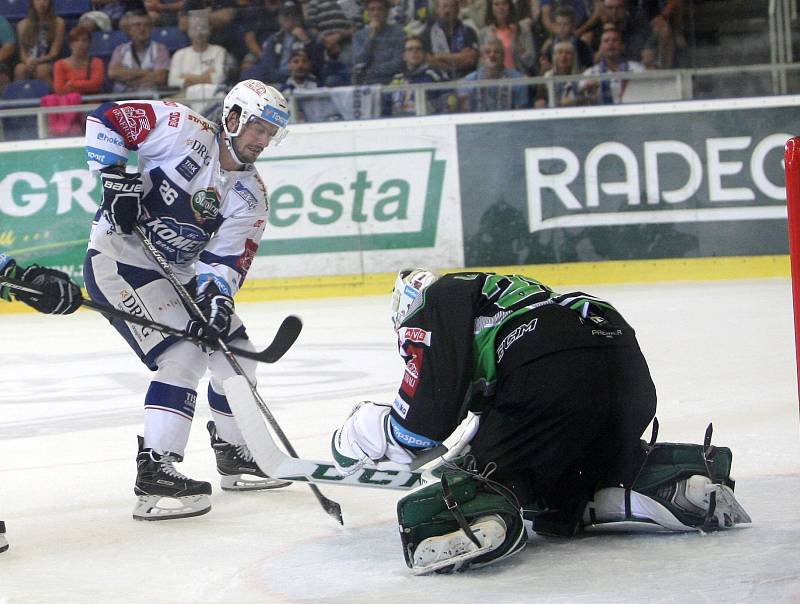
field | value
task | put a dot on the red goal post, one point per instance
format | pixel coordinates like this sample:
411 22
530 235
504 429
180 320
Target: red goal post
792 167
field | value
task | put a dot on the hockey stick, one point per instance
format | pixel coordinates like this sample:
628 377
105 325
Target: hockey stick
331 507
285 336
382 475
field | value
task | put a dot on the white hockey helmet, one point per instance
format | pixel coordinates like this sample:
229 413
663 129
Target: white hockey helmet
408 286
255 100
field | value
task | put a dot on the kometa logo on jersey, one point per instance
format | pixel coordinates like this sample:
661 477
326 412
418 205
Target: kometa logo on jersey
134 121
205 204
178 241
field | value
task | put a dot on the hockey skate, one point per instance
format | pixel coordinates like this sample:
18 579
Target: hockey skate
164 493
715 503
448 553
3 541
237 468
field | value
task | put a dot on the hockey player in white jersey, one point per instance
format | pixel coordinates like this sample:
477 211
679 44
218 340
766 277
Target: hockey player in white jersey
200 201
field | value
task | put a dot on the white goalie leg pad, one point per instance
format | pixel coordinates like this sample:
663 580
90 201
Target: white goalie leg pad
456 548
157 507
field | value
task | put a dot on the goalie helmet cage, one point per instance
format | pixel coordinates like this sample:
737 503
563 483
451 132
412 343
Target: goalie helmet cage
792 167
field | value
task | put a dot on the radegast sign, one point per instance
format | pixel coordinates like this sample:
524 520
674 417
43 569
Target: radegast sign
705 183
47 202
340 202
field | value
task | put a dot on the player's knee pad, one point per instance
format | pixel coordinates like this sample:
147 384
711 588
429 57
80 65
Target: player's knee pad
464 520
182 364
221 369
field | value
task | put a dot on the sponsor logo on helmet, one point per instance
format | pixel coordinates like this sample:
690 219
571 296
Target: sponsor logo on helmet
258 87
205 204
275 116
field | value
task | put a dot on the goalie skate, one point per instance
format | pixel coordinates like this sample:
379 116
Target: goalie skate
697 494
3 541
237 468
163 492
448 553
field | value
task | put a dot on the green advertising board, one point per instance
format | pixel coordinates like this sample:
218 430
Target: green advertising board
47 202
618 187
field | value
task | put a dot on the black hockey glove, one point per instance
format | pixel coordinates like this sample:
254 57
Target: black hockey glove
122 198
217 308
60 296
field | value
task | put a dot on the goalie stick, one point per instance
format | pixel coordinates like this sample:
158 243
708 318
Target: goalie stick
332 508
285 336
276 463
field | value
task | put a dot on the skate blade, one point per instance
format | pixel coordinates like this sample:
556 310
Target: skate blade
248 482
726 510
156 507
448 553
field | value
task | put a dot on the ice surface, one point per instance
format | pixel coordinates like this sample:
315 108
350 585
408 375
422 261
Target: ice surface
70 408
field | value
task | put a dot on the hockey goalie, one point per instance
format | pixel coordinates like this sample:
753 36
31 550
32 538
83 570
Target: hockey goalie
564 395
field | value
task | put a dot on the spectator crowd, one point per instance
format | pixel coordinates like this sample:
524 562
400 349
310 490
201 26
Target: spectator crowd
301 45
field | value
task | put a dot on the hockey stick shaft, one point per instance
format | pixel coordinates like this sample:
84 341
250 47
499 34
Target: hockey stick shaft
285 336
331 507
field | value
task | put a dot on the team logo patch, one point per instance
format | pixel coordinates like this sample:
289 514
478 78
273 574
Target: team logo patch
188 168
413 368
246 259
205 204
178 241
246 194
134 121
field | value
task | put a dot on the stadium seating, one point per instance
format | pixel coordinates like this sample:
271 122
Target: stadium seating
72 8
172 37
103 43
24 127
14 10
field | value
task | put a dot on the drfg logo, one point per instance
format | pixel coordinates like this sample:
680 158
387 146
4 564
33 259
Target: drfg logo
562 187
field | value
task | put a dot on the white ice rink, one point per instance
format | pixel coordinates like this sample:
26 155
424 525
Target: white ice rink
71 406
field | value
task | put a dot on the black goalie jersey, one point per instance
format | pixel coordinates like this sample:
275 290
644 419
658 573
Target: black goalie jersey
469 330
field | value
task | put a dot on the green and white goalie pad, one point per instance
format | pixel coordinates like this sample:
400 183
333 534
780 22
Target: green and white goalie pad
680 487
462 521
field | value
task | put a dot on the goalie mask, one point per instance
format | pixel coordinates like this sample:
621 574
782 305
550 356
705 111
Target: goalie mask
254 100
408 286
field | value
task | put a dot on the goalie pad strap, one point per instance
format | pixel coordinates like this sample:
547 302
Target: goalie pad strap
452 505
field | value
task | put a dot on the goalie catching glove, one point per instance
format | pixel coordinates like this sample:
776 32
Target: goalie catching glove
366 436
122 198
217 308
59 295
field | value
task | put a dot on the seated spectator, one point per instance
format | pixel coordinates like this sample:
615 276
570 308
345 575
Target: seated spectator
275 53
140 65
256 23
565 32
164 13
411 15
222 22
502 23
494 98
452 46
309 108
565 94
416 71
616 15
78 72
378 48
610 91
587 15
663 20
95 20
327 20
41 40
649 55
201 67
8 48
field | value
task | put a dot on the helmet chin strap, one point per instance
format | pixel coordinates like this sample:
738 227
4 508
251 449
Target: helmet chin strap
229 144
